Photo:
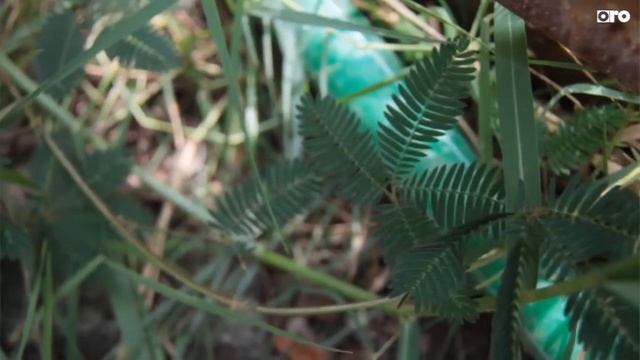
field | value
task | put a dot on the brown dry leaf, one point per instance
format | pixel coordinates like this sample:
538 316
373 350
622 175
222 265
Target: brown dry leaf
297 351
612 48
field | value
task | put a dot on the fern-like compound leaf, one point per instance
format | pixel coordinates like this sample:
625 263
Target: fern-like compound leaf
432 274
590 222
242 212
457 194
607 325
578 139
506 320
578 221
400 228
520 272
339 151
145 49
426 106
59 42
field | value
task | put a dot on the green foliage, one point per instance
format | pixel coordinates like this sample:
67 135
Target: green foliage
339 150
606 324
77 231
59 42
456 194
401 228
580 218
518 128
242 212
432 273
425 220
12 239
425 261
576 140
145 49
506 320
576 228
110 36
427 106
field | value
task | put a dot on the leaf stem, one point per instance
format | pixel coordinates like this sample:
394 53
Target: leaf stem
366 299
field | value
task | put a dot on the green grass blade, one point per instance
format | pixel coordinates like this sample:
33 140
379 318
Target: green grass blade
18 36
28 322
78 277
558 64
376 86
321 21
592 89
47 319
521 160
229 66
108 38
15 177
71 327
208 305
444 20
45 101
187 205
486 97
518 129
408 343
31 306
126 305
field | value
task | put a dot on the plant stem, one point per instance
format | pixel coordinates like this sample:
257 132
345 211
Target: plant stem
46 101
286 264
368 300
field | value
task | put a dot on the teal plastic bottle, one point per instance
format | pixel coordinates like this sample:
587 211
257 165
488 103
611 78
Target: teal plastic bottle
351 66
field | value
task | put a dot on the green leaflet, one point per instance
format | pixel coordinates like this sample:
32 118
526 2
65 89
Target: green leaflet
109 37
242 213
456 194
515 278
606 324
76 229
432 273
576 140
604 320
506 321
231 65
427 106
145 49
59 42
340 151
402 228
